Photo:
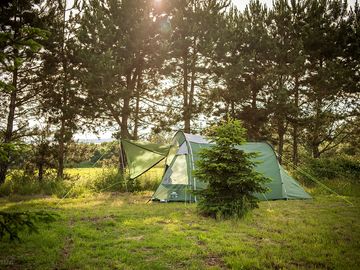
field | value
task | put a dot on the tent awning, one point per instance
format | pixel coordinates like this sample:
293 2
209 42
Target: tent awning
142 156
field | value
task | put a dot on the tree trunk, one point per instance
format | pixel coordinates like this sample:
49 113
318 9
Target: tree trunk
232 108
254 128
137 107
191 95
3 171
295 124
315 151
61 139
124 131
281 134
61 150
41 171
4 165
315 142
122 161
125 113
185 92
136 121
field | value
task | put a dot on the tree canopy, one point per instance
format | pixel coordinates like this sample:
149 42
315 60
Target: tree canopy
289 72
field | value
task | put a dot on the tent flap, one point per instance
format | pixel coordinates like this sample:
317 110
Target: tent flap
142 156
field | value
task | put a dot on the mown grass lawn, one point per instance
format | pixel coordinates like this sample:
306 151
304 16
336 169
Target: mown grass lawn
121 231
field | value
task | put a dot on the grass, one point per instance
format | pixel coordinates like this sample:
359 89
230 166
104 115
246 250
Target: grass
90 180
121 231
80 182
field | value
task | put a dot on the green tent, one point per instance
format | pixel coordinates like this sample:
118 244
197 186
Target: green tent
178 180
142 156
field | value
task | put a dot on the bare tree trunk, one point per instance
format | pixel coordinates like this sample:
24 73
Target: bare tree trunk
125 114
192 92
125 118
295 157
316 152
254 128
281 134
315 142
61 150
61 138
137 107
281 129
232 109
41 172
4 165
122 161
185 92
3 170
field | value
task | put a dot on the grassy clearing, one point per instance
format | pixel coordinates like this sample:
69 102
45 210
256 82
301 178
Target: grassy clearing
121 231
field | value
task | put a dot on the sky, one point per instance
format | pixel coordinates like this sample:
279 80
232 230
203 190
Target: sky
241 4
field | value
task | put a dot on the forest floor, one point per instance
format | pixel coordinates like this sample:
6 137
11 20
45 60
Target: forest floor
122 231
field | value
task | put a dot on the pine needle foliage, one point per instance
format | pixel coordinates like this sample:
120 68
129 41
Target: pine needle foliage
229 173
12 223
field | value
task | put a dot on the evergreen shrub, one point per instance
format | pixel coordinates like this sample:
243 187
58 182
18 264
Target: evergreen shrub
229 173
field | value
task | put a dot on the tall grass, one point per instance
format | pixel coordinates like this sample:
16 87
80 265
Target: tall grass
79 182
341 174
20 183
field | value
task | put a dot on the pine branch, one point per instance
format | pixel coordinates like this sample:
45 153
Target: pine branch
12 223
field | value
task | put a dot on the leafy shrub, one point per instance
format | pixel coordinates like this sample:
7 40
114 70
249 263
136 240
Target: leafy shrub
330 168
229 173
340 174
21 183
109 180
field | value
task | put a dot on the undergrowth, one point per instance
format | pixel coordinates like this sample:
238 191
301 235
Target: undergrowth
78 182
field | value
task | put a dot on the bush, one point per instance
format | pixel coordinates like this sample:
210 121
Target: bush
109 180
229 173
21 183
341 174
78 182
330 168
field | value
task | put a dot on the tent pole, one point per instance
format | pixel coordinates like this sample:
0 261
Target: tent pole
193 185
122 165
185 196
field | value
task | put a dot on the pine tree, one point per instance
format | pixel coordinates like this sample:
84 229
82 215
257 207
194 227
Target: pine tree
229 173
62 101
247 63
21 38
193 40
329 106
119 54
286 71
